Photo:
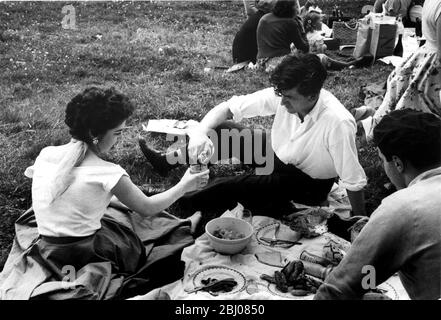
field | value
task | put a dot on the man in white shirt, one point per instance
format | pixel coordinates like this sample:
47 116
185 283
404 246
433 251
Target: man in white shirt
312 142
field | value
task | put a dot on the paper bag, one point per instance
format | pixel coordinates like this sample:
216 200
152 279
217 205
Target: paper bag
364 34
383 40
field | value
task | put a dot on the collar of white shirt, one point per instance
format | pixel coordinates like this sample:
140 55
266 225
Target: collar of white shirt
426 175
318 108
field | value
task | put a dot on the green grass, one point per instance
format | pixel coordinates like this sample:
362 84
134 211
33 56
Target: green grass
43 66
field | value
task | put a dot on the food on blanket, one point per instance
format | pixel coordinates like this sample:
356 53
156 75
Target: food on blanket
281 282
334 252
292 279
225 233
213 285
268 278
307 256
293 270
229 235
270 258
310 222
299 292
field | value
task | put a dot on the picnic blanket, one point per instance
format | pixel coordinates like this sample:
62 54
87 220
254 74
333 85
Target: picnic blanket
202 261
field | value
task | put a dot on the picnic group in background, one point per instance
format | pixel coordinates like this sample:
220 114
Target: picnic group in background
276 28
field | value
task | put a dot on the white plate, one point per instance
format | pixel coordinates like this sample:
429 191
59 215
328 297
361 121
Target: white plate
219 273
284 233
390 290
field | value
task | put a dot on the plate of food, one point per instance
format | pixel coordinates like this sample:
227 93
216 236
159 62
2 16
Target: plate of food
277 234
218 280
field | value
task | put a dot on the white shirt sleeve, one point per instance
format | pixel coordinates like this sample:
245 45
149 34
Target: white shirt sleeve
29 172
344 154
111 179
260 103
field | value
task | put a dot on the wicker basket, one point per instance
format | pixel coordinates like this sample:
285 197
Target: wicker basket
346 32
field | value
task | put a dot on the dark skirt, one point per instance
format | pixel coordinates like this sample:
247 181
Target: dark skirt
116 262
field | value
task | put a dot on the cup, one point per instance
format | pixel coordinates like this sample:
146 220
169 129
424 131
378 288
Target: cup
247 216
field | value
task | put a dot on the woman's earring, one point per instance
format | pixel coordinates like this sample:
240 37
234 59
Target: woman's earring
95 141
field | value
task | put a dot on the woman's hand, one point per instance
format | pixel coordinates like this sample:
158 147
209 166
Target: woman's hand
194 181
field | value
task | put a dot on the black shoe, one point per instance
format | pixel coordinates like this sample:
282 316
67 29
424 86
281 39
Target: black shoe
364 61
158 160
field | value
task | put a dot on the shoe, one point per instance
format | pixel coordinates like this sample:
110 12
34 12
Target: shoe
364 61
157 159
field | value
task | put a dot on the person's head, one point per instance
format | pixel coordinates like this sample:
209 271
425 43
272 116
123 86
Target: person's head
409 143
299 79
312 22
97 116
286 8
265 5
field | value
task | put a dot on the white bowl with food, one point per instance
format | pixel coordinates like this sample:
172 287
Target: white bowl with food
229 235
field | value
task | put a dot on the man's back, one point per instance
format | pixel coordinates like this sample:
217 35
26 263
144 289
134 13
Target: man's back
402 235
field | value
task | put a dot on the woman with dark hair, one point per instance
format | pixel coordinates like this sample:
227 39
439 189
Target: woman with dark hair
72 187
277 31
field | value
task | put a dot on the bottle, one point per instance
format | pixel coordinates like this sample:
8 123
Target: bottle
334 12
316 270
309 257
398 51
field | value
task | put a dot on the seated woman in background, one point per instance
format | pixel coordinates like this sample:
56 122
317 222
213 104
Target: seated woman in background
245 42
313 26
276 31
416 83
72 187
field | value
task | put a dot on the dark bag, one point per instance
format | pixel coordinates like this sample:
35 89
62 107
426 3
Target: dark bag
383 40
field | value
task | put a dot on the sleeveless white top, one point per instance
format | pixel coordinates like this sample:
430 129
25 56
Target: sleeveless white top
78 211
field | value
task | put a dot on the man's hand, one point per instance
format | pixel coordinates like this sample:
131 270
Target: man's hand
200 147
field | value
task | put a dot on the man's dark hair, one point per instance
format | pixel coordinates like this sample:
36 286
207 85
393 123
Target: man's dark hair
412 136
95 111
303 71
285 8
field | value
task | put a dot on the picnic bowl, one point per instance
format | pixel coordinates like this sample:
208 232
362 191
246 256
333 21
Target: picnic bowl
227 246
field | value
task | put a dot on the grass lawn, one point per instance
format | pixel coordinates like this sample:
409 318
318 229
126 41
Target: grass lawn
117 44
